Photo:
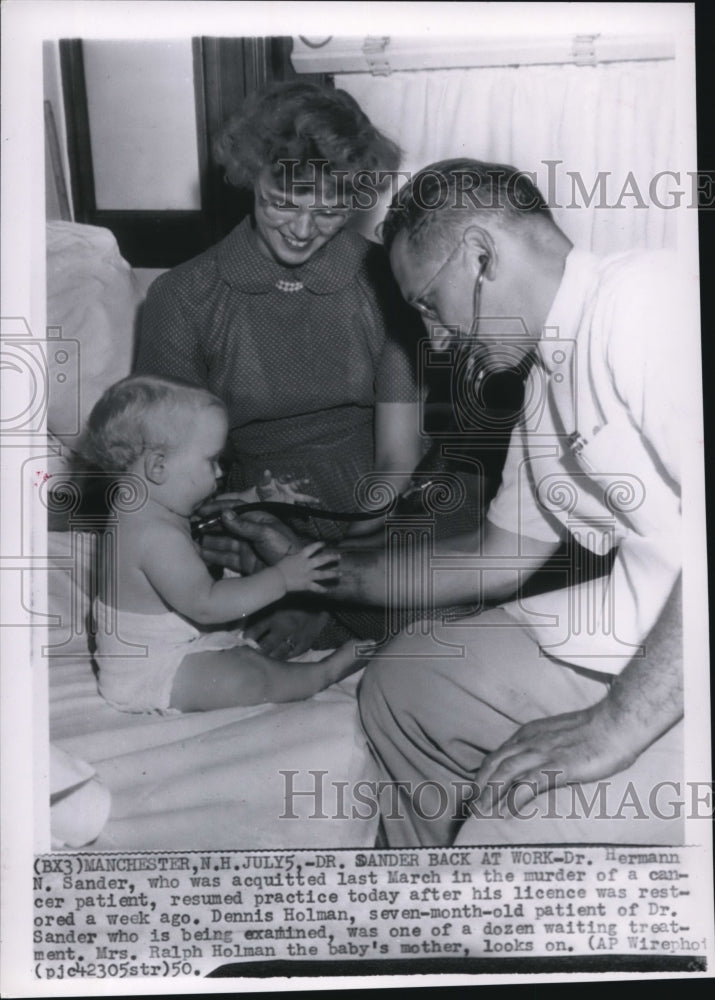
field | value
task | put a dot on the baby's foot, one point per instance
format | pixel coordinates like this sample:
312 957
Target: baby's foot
344 660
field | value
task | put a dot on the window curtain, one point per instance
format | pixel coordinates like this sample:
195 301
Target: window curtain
615 120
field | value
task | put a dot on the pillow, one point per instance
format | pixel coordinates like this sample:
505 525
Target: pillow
93 296
79 802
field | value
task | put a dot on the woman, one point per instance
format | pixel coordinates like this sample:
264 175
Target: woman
293 319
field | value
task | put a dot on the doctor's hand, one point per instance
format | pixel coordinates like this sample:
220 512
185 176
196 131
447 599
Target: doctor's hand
573 748
222 549
252 541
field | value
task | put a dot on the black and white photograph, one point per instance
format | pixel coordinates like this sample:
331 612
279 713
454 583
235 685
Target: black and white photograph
355 615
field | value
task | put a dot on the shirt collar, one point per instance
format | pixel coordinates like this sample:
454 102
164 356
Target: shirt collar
243 265
564 319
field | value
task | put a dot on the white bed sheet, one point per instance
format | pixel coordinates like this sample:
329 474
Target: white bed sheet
204 780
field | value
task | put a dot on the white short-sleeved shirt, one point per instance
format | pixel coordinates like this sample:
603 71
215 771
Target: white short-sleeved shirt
595 454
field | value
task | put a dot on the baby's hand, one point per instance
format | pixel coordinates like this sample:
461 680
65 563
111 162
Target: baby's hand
284 490
307 568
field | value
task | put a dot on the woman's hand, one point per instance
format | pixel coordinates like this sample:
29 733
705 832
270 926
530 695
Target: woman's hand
276 490
286 632
284 490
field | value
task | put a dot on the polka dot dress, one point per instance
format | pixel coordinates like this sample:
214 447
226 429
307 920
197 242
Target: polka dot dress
300 356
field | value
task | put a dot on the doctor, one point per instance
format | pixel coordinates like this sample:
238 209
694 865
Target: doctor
556 717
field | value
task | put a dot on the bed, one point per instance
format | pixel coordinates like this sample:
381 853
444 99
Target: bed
213 780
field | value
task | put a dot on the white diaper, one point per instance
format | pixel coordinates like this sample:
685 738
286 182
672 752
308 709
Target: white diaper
138 655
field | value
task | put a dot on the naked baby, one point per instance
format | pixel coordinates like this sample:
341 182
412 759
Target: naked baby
156 651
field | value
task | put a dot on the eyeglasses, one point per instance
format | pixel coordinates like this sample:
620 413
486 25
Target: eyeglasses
326 219
425 310
418 301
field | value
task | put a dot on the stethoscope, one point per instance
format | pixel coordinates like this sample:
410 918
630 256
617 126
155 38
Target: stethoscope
301 511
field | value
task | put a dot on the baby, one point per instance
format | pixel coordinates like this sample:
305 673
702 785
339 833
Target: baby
159 592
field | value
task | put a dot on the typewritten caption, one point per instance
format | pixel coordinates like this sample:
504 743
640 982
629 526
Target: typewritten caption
183 914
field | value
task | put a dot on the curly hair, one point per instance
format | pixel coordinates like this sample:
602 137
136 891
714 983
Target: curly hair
305 125
444 198
141 413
